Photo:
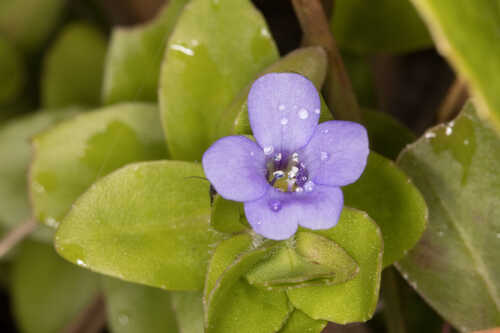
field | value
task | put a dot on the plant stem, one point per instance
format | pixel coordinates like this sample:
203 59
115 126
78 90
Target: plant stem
390 293
16 235
316 31
453 102
91 320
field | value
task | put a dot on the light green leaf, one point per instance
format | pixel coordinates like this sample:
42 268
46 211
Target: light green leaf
308 259
47 292
387 135
15 151
216 49
455 264
396 205
465 31
228 216
134 57
354 300
378 26
299 322
146 223
188 308
28 23
133 308
71 156
13 72
309 61
232 304
73 67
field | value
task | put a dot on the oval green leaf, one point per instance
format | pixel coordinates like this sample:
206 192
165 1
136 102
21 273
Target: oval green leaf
378 26
134 57
188 307
464 32
387 195
146 223
47 292
216 49
71 156
228 216
455 264
299 322
354 300
70 76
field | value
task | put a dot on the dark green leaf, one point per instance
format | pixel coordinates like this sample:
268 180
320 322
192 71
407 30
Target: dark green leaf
74 154
147 223
13 72
455 264
215 50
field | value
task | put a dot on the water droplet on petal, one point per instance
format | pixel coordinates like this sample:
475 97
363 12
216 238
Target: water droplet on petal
325 131
299 190
303 114
317 111
278 157
275 205
325 156
268 150
252 153
309 186
284 121
281 107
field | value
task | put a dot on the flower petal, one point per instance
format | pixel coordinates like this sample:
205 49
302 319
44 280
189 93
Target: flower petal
283 109
235 165
277 214
336 154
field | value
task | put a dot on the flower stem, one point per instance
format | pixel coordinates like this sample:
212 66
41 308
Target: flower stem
316 31
453 102
392 300
16 235
91 320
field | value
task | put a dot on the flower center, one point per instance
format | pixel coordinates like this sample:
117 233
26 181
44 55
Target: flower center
288 174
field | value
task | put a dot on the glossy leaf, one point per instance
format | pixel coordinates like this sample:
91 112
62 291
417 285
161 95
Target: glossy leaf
354 300
42 15
146 223
15 150
455 264
133 308
188 308
309 259
69 157
387 135
13 72
215 50
299 322
309 61
73 67
134 57
47 292
228 216
232 304
396 205
378 26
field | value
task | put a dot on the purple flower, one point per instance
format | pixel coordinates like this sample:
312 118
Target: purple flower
292 174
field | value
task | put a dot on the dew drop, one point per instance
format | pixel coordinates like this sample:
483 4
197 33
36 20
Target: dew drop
309 186
182 49
278 157
281 107
278 174
325 156
317 111
80 262
440 233
264 32
325 131
284 121
303 114
466 142
299 190
275 205
123 319
268 150
449 130
252 153
498 235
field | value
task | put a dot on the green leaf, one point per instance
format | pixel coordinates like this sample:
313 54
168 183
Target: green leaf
146 223
299 322
387 135
232 304
396 205
378 26
70 75
134 57
133 308
16 151
455 264
464 32
309 61
354 300
28 23
188 308
308 259
47 292
361 72
13 72
215 50
228 216
69 157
